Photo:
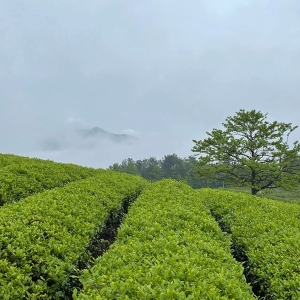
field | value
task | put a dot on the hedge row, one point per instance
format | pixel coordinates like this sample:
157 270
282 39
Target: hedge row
21 177
43 237
168 247
9 159
266 235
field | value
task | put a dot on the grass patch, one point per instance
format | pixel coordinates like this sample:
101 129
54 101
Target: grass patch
276 194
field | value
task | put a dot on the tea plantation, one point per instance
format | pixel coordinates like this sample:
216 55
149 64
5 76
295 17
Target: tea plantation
69 232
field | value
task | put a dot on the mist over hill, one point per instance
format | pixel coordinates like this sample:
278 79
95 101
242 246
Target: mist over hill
99 133
84 138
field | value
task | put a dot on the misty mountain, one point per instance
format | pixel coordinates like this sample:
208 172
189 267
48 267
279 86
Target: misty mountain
84 138
99 133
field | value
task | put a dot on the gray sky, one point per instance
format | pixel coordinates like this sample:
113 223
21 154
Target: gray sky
165 70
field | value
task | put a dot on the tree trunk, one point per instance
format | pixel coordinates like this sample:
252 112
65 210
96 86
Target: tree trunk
254 191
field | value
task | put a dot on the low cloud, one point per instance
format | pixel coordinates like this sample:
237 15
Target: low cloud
130 132
163 71
76 122
102 154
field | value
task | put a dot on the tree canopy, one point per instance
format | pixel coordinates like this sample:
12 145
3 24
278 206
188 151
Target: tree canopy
250 151
170 166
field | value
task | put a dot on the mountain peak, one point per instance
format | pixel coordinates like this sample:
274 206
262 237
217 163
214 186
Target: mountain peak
97 130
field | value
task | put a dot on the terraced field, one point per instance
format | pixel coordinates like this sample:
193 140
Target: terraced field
169 247
21 177
266 238
173 242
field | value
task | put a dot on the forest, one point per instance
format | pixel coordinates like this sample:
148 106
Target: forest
170 166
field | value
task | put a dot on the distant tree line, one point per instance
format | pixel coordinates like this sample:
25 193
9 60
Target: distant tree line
170 166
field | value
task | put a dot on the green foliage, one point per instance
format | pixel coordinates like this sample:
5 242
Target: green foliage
169 247
250 152
129 167
268 233
170 166
173 167
150 168
7 159
43 236
291 196
21 177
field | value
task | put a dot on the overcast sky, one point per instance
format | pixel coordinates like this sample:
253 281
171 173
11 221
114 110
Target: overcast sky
165 71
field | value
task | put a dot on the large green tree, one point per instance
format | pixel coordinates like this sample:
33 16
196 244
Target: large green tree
149 168
250 151
173 166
